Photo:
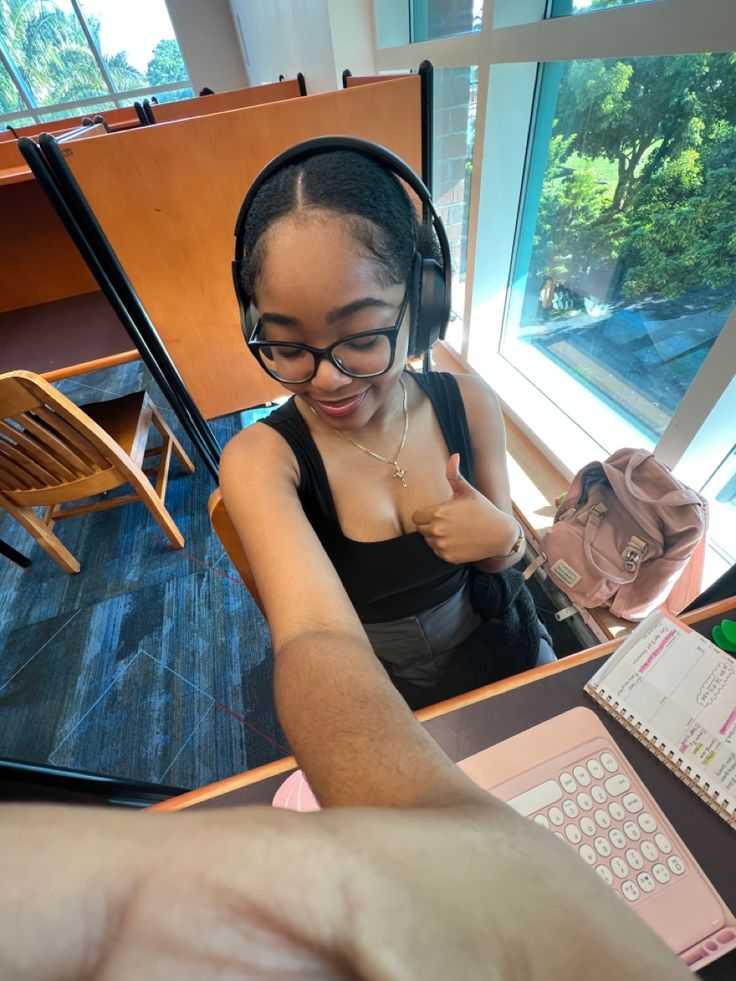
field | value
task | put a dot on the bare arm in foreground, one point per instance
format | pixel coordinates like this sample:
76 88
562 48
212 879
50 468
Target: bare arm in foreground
461 887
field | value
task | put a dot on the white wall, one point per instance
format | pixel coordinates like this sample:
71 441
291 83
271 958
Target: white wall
284 37
317 37
351 23
209 44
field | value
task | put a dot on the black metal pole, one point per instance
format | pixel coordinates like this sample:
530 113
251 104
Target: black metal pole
147 341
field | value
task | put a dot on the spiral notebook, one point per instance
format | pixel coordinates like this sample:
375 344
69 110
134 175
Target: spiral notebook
675 691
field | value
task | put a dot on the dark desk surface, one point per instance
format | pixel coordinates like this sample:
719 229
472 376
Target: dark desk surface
470 728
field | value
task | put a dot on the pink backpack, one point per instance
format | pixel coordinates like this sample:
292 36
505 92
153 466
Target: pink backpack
628 536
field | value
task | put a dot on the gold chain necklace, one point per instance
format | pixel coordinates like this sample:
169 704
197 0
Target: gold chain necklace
398 471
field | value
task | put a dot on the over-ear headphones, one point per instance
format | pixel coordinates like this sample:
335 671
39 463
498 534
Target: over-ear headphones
431 313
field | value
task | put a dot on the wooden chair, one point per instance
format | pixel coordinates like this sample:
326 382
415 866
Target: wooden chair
225 531
52 453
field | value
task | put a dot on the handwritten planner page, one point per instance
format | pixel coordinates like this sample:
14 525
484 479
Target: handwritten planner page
679 689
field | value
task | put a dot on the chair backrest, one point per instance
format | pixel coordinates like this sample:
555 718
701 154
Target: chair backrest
50 450
225 531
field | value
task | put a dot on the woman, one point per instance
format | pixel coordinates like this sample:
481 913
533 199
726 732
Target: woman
374 491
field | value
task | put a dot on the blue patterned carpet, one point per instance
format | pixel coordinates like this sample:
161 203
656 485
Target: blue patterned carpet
150 664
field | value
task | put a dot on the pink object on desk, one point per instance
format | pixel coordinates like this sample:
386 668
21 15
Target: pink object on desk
295 794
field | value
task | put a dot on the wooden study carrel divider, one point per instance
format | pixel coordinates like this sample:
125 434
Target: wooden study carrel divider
205 105
184 183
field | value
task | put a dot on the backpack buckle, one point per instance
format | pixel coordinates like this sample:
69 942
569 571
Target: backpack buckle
633 552
594 514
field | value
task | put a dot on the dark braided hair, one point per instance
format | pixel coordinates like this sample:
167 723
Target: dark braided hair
370 199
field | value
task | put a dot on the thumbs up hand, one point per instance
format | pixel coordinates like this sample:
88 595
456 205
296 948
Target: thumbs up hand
467 527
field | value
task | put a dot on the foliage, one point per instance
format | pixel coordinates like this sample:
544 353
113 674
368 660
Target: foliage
56 64
166 64
683 233
665 126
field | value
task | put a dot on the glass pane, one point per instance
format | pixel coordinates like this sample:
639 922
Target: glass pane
431 19
48 45
49 117
136 41
625 267
721 493
455 93
173 96
10 100
561 8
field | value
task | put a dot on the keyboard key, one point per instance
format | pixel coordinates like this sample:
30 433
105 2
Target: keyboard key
616 811
617 838
587 854
631 831
646 882
660 873
555 816
536 798
618 784
541 820
572 833
609 762
587 826
648 850
585 802
598 794
634 859
676 864
605 873
663 843
602 819
595 769
568 783
581 775
560 835
632 803
602 846
619 867
570 808
647 822
630 890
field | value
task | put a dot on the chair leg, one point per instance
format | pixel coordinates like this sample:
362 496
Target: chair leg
38 529
147 494
166 432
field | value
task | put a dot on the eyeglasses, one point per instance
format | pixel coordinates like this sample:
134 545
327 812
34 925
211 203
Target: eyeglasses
363 355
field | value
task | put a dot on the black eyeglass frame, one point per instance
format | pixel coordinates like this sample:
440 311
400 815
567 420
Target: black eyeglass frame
322 353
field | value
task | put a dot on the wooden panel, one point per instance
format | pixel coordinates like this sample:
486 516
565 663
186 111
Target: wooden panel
205 105
38 260
185 183
353 80
10 155
126 114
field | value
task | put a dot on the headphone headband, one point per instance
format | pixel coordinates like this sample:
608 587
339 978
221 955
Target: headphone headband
435 282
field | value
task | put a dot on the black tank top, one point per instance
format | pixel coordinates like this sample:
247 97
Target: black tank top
396 577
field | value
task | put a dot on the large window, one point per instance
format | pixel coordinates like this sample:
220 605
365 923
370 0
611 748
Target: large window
442 18
455 94
66 57
625 267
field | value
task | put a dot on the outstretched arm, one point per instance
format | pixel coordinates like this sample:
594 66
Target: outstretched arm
346 741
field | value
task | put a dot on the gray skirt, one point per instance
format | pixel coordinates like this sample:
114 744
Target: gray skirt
418 648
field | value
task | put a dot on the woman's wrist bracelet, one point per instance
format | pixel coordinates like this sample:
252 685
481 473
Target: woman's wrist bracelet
516 547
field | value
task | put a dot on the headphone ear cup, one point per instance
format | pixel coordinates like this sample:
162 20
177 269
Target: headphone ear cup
432 315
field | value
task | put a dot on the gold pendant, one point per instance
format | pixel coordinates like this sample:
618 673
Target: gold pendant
400 474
